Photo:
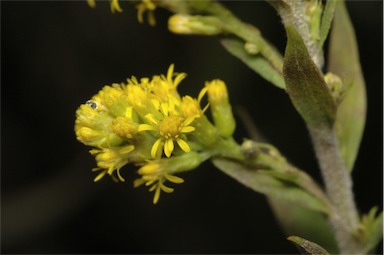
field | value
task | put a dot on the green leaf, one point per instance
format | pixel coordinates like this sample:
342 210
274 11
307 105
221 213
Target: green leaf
297 220
307 247
269 185
326 21
305 84
301 179
370 231
255 62
343 60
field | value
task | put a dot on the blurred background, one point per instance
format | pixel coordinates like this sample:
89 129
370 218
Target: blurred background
56 55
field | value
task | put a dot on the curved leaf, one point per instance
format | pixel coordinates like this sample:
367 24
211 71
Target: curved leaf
269 185
307 247
305 84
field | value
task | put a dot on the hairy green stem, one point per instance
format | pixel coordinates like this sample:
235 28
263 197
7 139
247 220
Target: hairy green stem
338 185
292 12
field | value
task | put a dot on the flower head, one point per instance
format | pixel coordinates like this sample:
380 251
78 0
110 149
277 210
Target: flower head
170 128
153 175
146 122
110 161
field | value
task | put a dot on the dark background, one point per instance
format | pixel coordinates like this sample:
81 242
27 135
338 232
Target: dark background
56 55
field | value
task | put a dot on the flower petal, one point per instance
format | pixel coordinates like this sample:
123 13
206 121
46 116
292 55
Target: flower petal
189 120
164 109
138 182
179 77
151 118
168 147
157 195
187 129
119 175
202 94
170 72
126 149
153 187
128 112
183 145
155 148
173 178
144 127
165 188
100 175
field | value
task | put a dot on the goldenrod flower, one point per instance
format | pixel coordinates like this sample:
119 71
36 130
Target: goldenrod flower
153 175
111 160
170 128
140 121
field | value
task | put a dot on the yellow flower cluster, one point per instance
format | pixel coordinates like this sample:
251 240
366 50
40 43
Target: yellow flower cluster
147 123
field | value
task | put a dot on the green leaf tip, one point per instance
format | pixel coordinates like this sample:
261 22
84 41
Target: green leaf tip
305 84
370 230
307 247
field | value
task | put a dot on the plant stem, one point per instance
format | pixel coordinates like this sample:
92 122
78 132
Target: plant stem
338 185
248 33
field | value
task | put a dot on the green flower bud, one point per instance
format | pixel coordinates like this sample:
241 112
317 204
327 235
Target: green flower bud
251 48
189 25
335 85
220 107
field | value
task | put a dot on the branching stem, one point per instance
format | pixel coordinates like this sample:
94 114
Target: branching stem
248 33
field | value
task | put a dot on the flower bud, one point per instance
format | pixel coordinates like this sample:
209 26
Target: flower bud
251 48
189 25
335 85
220 107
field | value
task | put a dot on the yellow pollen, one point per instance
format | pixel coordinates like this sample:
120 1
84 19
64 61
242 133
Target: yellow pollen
170 127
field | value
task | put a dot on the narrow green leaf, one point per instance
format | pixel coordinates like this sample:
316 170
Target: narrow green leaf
301 179
326 21
344 61
307 247
255 62
305 84
269 185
